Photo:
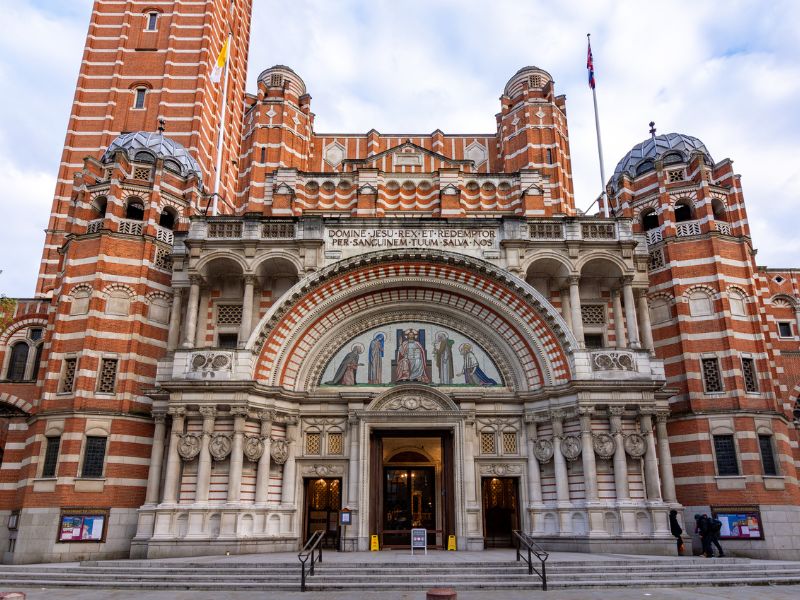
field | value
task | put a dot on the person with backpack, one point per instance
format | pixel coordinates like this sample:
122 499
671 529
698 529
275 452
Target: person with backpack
714 528
676 529
702 527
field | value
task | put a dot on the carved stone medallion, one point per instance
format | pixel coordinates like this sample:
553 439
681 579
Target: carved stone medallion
253 448
219 446
634 445
543 450
604 445
279 450
571 447
411 403
189 446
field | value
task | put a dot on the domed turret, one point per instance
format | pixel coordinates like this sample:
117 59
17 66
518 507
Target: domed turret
671 148
146 146
531 77
279 75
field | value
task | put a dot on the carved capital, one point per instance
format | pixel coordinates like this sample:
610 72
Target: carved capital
196 280
238 412
267 415
616 411
574 279
557 415
208 412
159 417
250 279
662 416
177 411
178 292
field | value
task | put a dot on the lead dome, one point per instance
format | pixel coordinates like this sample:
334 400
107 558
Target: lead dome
672 147
145 146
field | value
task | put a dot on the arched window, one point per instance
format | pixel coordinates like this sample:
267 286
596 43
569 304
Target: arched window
737 302
644 167
18 361
672 157
683 212
649 220
37 359
168 218
134 209
700 304
99 206
719 209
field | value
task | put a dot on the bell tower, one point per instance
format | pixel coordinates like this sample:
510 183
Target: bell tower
148 61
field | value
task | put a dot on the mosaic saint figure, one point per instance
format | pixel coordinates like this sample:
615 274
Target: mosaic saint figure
473 374
412 361
348 368
443 355
375 368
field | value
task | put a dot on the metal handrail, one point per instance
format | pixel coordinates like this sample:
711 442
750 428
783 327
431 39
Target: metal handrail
312 546
535 549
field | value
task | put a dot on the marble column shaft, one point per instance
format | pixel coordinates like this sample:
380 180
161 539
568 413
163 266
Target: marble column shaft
156 460
287 491
204 457
651 481
237 455
665 459
247 309
352 473
262 473
575 309
534 471
619 323
566 310
587 455
192 308
175 319
645 328
560 463
630 313
172 480
620 460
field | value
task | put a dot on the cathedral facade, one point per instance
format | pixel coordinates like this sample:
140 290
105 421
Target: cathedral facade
419 330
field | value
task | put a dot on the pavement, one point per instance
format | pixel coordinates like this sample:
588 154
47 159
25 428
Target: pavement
684 593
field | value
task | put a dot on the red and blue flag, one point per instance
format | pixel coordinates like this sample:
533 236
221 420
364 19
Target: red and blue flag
590 66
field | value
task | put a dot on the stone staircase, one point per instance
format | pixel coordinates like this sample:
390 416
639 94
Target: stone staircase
357 575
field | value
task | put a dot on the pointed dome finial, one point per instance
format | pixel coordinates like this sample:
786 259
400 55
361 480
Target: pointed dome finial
652 129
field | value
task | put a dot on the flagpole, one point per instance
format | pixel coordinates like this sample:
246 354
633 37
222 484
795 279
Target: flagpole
221 136
599 143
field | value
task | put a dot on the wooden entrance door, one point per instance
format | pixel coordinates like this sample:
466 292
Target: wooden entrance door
323 503
500 511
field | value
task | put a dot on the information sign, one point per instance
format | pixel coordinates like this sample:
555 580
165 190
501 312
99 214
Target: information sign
345 517
419 539
739 522
75 527
373 543
451 542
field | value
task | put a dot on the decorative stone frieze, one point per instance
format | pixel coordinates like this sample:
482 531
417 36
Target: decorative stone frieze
220 446
613 361
210 365
279 450
189 446
635 445
253 448
323 470
604 445
501 469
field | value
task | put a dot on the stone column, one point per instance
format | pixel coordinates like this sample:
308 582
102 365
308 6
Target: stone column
204 457
620 461
619 323
630 313
287 491
175 319
172 480
192 309
665 458
534 472
645 329
652 484
262 474
797 318
156 459
202 319
587 455
566 310
352 473
559 462
237 456
247 309
575 309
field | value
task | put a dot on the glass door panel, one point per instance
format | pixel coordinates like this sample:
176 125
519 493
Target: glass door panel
409 501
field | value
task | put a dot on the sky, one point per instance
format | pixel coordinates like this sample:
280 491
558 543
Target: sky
726 72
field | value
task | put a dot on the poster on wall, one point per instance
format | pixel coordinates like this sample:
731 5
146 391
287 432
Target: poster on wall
739 522
82 527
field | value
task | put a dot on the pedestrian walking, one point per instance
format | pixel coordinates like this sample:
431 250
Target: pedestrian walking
702 528
676 529
714 529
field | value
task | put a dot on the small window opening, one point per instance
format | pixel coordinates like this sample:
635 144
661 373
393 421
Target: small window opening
167 219
228 340
152 21
140 95
134 210
650 221
683 212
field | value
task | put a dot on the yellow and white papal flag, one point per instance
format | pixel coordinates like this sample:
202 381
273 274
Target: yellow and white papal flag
219 66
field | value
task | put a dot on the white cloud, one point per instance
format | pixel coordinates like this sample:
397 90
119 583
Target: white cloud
725 72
